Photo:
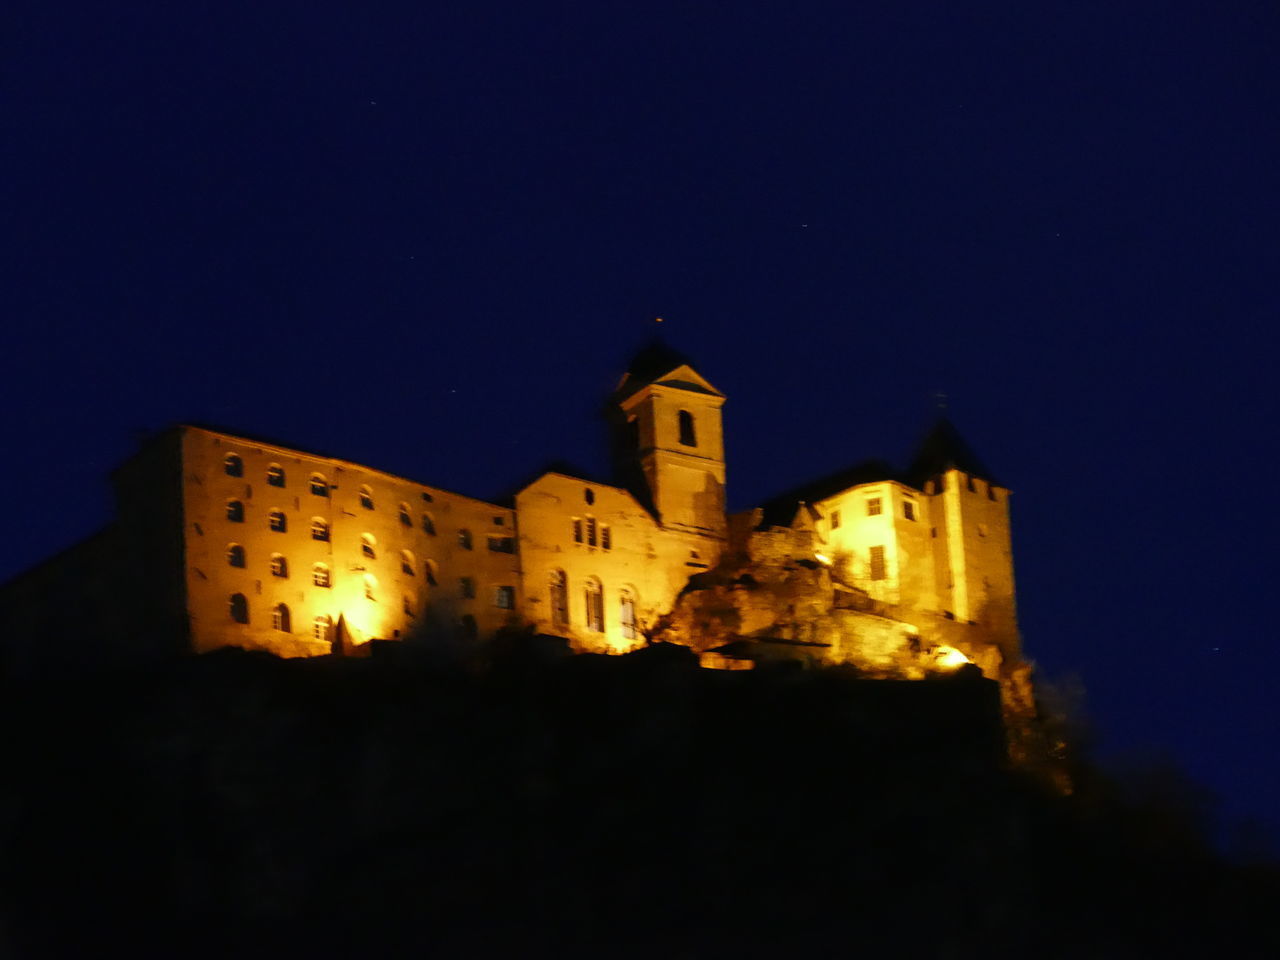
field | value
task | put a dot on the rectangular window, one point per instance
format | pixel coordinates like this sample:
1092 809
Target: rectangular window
835 519
498 521
591 531
577 530
502 544
505 597
873 507
606 537
468 587
877 563
908 509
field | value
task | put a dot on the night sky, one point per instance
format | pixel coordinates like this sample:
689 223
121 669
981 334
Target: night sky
428 236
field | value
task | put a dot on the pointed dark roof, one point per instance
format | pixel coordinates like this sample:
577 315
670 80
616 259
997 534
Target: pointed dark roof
942 449
655 359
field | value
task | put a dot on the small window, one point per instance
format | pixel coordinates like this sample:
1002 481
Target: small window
909 509
370 586
279 566
432 571
319 529
577 530
502 544
366 497
499 521
427 498
594 595
239 608
591 531
835 519
589 495
279 523
464 539
368 546
406 563
559 598
320 627
877 563
275 475
468 587
320 575
235 511
280 619
319 485
235 555
688 436
233 465
606 537
627 613
406 605
404 515
873 507
969 482
505 598
428 524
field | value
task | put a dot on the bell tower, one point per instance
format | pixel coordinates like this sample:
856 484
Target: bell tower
669 443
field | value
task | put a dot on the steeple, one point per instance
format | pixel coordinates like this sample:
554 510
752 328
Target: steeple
944 449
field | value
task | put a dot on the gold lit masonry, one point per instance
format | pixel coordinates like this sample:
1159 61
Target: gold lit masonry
226 540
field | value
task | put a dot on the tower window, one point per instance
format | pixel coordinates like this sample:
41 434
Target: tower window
559 598
275 475
969 483
366 497
577 530
279 566
319 485
468 587
594 595
505 598
239 608
320 575
502 544
368 545
319 529
591 531
464 538
279 523
235 511
233 465
406 605
688 436
320 627
873 507
235 555
627 613
606 537
404 515
589 495
432 571
428 524
835 519
877 563
280 619
406 563
909 509
370 586
426 497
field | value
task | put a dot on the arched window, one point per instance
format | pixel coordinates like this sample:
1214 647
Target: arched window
406 562
239 608
368 545
627 612
688 436
279 565
235 555
320 575
370 586
233 465
280 618
404 515
320 626
275 475
366 497
594 594
279 523
559 598
432 571
235 511
319 529
428 524
464 539
319 485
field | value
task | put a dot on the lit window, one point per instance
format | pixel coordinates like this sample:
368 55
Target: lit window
877 563
320 575
594 595
909 509
279 523
627 613
432 571
591 531
577 530
319 485
464 539
428 524
279 566
502 544
559 598
233 465
468 587
835 519
235 555
368 545
275 475
505 597
239 608
280 618
320 627
688 437
873 507
370 586
606 537
235 511
406 562
404 515
319 529
366 498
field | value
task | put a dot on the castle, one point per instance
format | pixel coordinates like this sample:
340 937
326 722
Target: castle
224 540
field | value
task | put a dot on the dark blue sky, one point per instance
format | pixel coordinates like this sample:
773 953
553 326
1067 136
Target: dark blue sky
428 236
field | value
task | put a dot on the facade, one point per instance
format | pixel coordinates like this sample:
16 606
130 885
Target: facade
224 540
